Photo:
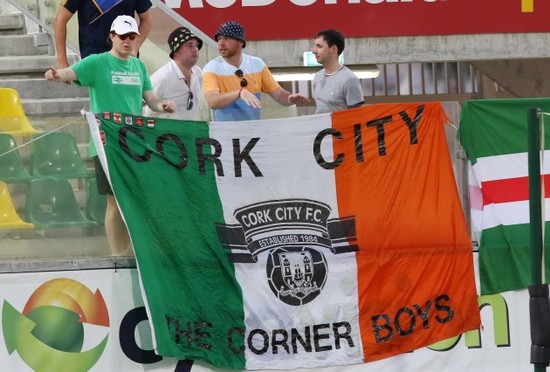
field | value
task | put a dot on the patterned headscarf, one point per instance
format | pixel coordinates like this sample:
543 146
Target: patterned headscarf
231 29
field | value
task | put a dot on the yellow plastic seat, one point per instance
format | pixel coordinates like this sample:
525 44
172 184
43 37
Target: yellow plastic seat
13 119
55 154
11 166
51 203
9 219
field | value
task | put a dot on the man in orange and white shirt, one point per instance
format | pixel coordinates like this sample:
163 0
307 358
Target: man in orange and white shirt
234 81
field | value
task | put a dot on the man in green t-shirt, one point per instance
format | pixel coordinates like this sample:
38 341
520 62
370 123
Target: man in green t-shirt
118 82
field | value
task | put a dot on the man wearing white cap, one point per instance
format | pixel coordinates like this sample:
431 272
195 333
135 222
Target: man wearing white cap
180 80
117 82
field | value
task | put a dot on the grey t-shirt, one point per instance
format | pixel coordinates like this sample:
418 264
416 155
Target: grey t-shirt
337 91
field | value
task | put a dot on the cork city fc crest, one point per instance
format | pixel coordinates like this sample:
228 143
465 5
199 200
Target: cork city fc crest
295 234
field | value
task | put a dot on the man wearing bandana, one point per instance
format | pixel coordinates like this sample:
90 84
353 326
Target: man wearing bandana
233 81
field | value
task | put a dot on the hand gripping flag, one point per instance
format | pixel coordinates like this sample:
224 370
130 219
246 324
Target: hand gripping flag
314 241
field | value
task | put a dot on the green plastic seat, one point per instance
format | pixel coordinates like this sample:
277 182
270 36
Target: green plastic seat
11 166
95 204
55 154
51 202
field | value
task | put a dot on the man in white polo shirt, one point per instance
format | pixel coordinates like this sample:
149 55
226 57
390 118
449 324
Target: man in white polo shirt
180 80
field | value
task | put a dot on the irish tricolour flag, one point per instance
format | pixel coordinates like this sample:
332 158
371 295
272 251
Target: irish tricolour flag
313 241
494 136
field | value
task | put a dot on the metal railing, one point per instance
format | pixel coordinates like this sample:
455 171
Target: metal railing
456 81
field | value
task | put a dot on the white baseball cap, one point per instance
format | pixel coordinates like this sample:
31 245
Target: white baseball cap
124 24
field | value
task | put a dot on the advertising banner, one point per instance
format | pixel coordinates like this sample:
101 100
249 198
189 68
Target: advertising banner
297 19
94 320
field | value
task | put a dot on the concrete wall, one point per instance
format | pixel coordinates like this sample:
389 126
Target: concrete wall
413 49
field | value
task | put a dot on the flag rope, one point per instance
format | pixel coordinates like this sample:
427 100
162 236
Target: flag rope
82 112
35 139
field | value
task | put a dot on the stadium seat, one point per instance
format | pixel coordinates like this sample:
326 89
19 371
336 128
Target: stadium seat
55 154
95 204
12 116
9 219
51 202
11 166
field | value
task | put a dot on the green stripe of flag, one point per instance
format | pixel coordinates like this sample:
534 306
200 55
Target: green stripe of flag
191 306
505 258
497 271
497 127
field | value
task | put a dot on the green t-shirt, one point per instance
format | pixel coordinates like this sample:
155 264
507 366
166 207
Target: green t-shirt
115 85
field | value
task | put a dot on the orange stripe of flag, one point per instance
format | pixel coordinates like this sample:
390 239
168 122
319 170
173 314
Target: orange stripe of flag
410 226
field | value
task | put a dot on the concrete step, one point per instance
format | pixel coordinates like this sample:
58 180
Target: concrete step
26 64
24 45
40 88
12 24
31 66
55 106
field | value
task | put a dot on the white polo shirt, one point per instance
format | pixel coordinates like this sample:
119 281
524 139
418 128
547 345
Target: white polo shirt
169 85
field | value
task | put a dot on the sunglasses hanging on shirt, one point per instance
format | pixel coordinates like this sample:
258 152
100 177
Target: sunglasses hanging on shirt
240 74
190 96
190 100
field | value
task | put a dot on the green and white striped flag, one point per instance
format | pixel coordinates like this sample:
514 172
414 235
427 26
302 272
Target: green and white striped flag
494 136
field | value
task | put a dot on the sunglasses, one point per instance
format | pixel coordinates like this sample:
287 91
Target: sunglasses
240 74
190 100
126 36
190 96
